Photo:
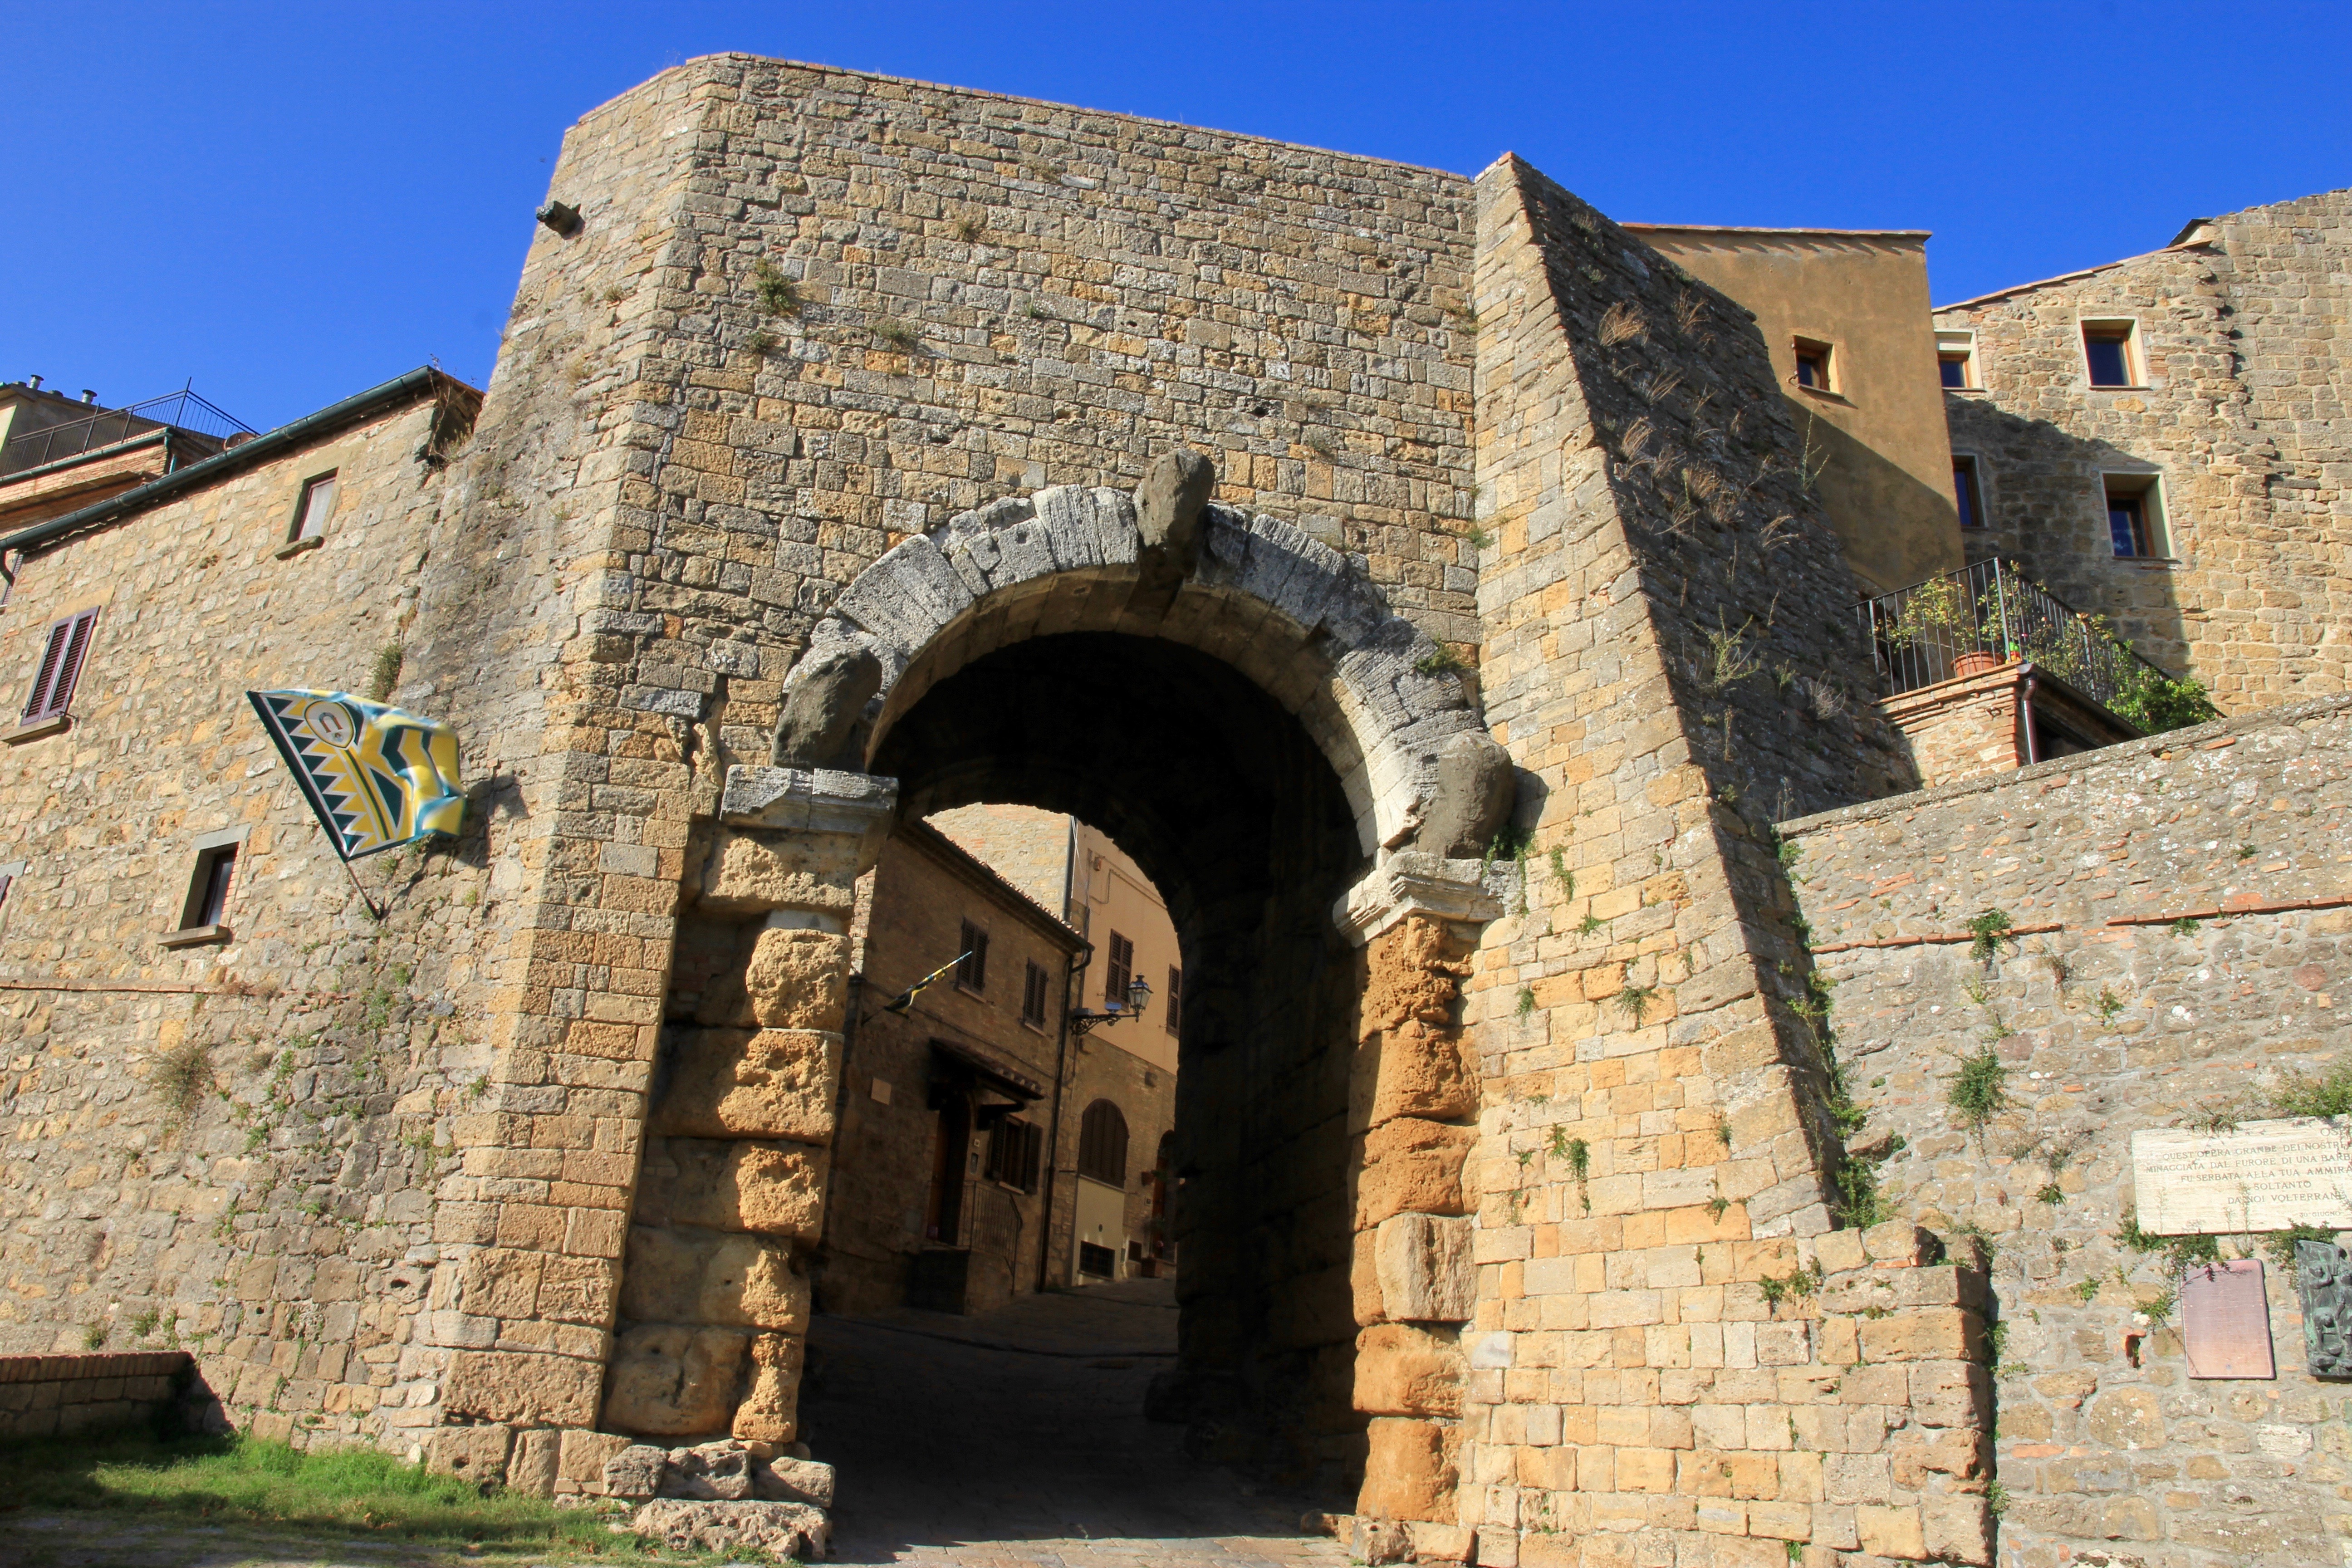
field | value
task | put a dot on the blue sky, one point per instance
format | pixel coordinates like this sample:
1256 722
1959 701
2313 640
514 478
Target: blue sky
287 204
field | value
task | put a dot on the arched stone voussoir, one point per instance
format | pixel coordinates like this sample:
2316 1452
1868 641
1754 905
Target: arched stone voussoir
1297 618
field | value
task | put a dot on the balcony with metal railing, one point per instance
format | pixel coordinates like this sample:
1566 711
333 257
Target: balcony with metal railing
204 429
1978 618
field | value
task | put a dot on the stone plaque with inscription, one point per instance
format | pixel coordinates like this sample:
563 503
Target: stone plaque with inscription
2262 1176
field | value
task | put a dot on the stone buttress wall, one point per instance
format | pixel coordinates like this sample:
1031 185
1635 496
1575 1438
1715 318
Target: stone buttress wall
2238 335
1667 660
2103 1016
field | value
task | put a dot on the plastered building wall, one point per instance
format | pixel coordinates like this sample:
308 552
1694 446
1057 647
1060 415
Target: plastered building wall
2238 331
2104 1017
1874 437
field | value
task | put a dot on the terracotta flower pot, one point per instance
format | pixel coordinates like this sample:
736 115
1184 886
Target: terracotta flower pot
1977 663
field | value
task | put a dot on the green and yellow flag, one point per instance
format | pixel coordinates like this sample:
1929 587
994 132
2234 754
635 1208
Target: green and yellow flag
377 776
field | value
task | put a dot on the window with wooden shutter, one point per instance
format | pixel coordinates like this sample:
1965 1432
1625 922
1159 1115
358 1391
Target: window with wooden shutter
62 660
1035 989
1013 1150
1102 1144
312 512
1174 1012
971 970
1118 970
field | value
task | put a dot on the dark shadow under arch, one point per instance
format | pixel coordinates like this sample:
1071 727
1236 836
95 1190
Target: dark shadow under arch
1231 809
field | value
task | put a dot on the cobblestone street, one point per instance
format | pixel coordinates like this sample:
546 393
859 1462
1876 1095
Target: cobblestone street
1018 1438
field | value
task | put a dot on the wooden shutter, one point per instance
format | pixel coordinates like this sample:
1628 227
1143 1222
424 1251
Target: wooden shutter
61 661
1174 1013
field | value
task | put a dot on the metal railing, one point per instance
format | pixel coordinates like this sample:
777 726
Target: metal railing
1940 628
182 411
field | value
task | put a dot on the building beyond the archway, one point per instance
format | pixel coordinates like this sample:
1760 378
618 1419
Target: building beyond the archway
1446 569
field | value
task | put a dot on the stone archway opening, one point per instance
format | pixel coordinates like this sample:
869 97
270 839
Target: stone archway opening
1305 779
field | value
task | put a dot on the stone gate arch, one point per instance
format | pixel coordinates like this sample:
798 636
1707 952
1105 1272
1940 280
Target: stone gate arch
715 1297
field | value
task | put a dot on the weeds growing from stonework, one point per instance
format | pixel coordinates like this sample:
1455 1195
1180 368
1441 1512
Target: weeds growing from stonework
1980 1089
385 675
243 1481
181 1076
2327 1095
1440 660
1986 933
779 295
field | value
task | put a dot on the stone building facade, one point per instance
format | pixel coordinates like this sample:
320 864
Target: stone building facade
837 452
937 1194
2228 430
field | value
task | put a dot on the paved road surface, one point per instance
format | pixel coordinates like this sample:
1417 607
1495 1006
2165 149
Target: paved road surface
1018 1438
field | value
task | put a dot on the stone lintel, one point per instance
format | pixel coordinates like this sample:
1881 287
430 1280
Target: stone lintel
1414 881
813 800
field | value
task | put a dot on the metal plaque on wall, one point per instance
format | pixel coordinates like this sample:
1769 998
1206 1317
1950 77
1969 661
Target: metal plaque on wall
2322 1282
2225 1320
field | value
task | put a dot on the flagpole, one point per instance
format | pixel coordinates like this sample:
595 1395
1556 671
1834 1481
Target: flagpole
363 892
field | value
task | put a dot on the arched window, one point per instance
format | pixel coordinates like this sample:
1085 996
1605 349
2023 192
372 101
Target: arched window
1102 1144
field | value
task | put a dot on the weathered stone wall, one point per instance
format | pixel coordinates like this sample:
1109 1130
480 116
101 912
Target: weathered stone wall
2240 330
49 1396
2104 1016
236 1147
1662 605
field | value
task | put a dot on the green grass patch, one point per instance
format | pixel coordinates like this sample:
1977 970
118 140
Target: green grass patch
353 1491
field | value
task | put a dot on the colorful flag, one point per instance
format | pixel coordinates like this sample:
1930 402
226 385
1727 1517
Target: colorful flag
376 776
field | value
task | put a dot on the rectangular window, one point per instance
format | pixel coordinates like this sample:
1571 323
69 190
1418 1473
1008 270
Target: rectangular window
1813 364
312 512
62 655
208 902
1956 359
1097 1260
1965 493
1013 1150
2108 349
972 968
1175 1014
1033 996
2136 521
1118 970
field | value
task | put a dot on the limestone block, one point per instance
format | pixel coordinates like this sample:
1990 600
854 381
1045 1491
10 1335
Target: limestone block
784 1530
1409 1471
1415 1069
1958 1529
1402 1370
1410 1164
1925 1333
786 1479
790 979
673 1380
1425 1269
636 1473
471 1453
753 870
770 1189
1440 1542
770 1412
751 1083
1891 1532
531 1466
521 1386
710 1471
1364 1278
704 1277
582 1457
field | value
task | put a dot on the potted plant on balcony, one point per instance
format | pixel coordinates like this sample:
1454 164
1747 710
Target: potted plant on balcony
1938 614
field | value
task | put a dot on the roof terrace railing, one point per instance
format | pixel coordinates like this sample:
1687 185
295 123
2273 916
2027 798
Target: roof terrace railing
1985 614
182 410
